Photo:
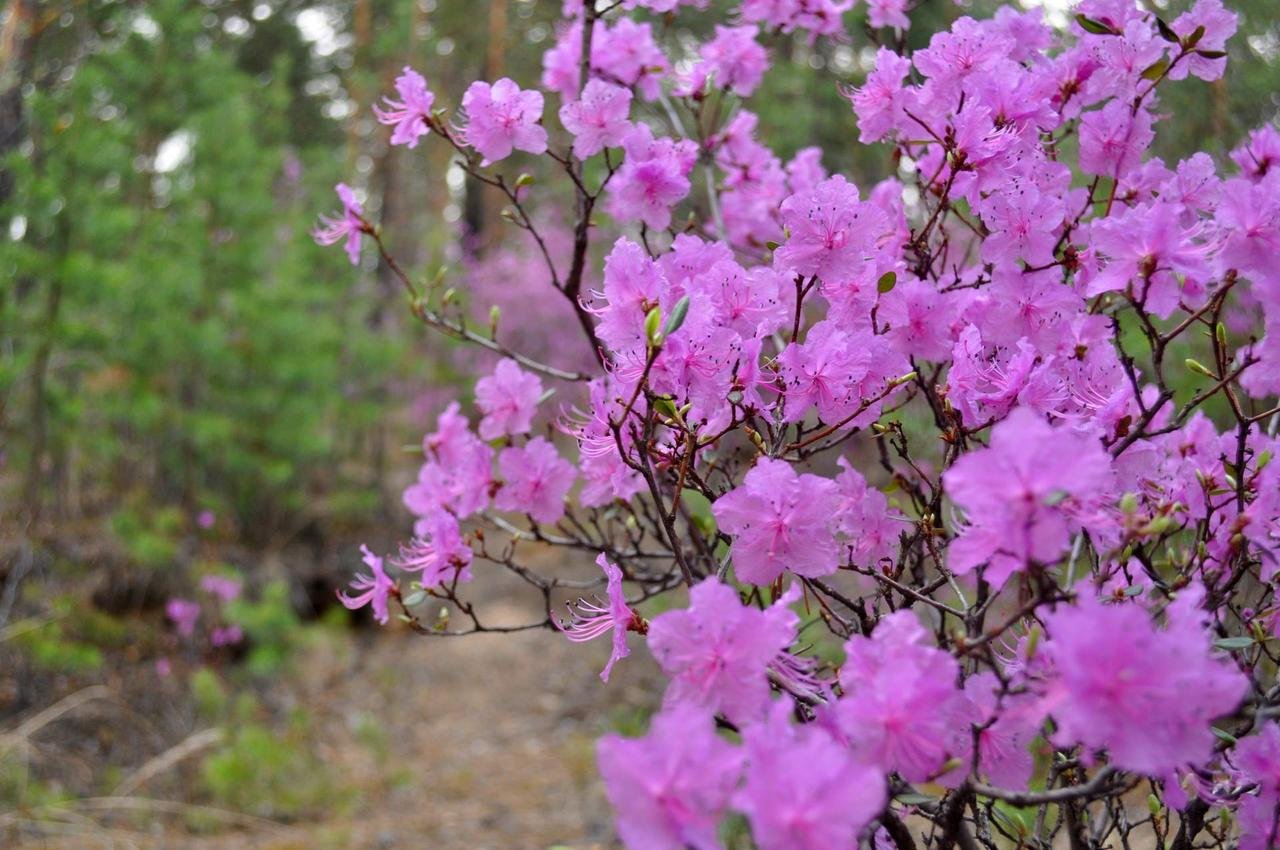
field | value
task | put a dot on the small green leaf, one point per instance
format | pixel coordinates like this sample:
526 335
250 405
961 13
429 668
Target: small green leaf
1096 27
1156 70
1232 643
1212 54
699 508
1224 735
1166 31
771 245
915 799
1194 38
886 282
652 326
677 317
415 598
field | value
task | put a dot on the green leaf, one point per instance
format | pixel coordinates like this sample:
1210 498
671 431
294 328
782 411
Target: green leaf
652 326
1196 35
677 317
915 799
1166 31
886 282
1234 642
1096 27
415 598
699 508
1156 70
1224 735
1212 54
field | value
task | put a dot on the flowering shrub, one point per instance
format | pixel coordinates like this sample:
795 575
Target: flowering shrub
1002 426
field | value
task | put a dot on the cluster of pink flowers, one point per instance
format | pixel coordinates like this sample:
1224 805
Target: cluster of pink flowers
996 434
185 614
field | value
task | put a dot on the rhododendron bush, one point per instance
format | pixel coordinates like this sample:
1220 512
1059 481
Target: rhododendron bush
961 483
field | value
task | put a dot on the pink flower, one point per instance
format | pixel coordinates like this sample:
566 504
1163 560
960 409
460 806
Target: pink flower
733 60
803 790
671 787
439 553
1007 728
411 113
1257 762
535 480
1152 255
833 234
780 521
653 177
888 13
349 227
1218 24
870 528
598 119
1260 154
1017 492
589 620
1146 695
718 652
1024 222
226 636
370 589
508 399
633 285
836 371
183 613
502 118
901 710
1112 141
878 103
224 588
206 519
457 473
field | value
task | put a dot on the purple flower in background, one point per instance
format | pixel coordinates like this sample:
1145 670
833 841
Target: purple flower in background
348 227
224 588
226 635
370 589
183 613
590 619
410 114
206 519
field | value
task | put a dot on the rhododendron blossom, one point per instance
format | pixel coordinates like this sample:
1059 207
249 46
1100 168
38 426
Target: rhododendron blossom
502 118
411 114
948 506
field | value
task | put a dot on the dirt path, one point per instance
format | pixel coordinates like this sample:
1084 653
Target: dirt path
489 742
483 742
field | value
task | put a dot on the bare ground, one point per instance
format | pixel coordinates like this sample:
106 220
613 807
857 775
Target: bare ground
487 743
